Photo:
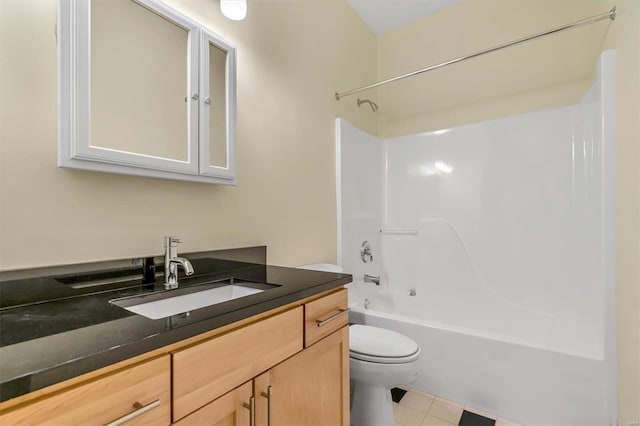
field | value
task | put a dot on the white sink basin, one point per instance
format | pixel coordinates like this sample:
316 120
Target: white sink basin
178 304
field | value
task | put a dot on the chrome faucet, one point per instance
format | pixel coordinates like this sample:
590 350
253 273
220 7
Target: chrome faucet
372 279
171 262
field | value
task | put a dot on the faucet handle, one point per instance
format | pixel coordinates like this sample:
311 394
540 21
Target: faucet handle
170 241
365 252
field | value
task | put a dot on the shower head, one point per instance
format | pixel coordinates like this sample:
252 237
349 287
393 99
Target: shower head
372 104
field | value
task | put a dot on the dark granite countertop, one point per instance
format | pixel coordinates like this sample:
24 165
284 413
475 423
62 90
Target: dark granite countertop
51 332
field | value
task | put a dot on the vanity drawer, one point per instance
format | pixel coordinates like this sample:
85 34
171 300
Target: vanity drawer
203 372
141 391
325 315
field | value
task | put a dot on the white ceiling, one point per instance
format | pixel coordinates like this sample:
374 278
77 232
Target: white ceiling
385 15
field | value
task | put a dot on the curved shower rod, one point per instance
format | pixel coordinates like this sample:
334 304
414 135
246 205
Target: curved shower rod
606 15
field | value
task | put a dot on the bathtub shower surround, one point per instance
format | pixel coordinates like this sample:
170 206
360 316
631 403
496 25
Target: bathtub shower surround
494 244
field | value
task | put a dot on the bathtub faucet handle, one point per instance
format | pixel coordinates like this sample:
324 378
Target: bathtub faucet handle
372 279
365 252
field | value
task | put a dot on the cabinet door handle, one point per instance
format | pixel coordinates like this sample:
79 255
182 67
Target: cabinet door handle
320 323
252 410
141 409
268 396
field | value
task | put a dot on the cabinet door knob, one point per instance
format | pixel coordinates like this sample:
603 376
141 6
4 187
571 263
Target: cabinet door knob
251 406
141 409
267 395
207 101
194 96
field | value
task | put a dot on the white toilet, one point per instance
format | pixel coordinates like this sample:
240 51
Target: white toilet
379 359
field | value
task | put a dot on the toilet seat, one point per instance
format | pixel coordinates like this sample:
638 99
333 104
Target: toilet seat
379 345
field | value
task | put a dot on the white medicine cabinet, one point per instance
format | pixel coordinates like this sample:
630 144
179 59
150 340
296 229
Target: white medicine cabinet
144 90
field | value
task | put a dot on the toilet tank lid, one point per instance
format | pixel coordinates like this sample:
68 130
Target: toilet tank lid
380 342
325 267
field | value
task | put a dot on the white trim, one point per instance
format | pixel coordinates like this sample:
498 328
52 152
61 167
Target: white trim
139 171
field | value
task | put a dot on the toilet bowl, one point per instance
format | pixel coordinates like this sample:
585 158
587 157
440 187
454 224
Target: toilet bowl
379 359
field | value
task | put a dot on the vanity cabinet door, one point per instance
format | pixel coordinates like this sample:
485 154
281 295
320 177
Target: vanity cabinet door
205 371
309 389
231 409
140 393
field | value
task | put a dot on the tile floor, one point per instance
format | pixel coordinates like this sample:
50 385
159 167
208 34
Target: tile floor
420 409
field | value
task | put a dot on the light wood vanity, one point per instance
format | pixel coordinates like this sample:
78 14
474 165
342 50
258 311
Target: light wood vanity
287 366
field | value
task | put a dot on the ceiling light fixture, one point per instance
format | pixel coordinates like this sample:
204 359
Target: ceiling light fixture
234 9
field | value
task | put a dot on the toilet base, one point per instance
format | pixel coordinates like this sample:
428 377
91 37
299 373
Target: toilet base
371 405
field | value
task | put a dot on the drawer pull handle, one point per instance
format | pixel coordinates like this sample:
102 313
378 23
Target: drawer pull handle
140 410
252 410
320 323
267 395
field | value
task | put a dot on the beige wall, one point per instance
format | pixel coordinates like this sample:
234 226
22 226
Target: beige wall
292 57
542 74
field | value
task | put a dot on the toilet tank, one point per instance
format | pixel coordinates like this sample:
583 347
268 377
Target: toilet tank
324 267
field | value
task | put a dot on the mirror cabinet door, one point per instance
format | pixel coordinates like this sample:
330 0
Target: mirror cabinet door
139 84
218 86
134 67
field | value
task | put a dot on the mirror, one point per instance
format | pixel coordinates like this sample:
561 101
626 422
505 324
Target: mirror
218 119
138 81
144 90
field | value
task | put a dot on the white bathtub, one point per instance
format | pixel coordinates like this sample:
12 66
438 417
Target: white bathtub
517 377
